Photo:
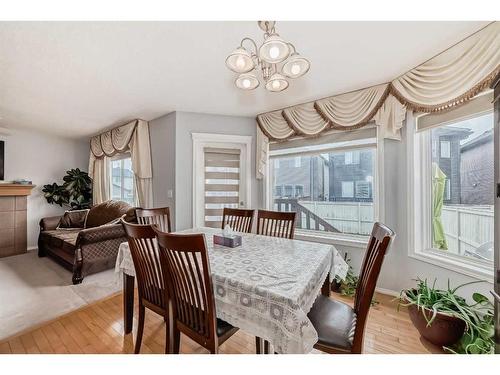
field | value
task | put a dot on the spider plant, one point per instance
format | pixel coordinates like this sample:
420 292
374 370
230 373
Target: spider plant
478 316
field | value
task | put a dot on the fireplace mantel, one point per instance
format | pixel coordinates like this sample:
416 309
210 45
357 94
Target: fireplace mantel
15 190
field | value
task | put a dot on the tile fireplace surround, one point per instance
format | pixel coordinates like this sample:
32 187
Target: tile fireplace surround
13 219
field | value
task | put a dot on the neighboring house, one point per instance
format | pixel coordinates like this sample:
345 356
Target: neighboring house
301 177
351 176
477 178
446 152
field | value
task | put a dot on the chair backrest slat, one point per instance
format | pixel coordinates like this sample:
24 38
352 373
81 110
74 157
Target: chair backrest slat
191 285
150 273
377 247
238 219
155 216
276 224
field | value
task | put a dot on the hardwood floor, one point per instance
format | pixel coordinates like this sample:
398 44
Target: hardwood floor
98 328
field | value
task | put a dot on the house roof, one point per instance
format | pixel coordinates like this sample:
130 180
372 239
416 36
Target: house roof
486 137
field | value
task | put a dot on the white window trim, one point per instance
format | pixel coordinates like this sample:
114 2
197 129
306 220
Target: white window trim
354 241
419 226
202 140
441 149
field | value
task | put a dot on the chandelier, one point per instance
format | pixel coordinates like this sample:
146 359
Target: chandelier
276 59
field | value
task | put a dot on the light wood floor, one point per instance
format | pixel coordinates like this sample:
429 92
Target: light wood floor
98 328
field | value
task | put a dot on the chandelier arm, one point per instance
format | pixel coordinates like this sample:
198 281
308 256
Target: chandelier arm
293 47
252 41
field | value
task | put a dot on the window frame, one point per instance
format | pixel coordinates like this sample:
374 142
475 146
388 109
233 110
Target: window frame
419 162
342 239
121 157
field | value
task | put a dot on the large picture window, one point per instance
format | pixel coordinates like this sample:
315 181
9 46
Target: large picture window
122 179
333 188
452 203
462 188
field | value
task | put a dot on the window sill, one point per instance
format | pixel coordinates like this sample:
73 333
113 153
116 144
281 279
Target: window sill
462 266
332 239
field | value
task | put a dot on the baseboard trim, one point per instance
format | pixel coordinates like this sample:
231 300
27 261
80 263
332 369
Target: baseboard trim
389 292
32 248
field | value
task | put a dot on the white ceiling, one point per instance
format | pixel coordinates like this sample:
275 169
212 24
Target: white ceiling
77 78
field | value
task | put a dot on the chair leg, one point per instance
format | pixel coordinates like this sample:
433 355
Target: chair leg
266 347
140 328
258 342
177 340
168 336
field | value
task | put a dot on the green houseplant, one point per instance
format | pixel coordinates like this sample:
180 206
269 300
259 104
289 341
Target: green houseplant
75 192
347 286
468 327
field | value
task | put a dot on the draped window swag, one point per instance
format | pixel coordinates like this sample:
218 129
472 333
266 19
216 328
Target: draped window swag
442 83
133 138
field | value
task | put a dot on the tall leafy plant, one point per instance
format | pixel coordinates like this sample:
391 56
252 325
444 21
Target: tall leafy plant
75 192
478 315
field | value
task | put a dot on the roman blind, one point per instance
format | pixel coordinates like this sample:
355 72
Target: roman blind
222 183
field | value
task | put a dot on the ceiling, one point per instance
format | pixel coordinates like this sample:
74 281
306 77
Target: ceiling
78 78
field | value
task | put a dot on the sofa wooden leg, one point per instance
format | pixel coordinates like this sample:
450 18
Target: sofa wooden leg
77 273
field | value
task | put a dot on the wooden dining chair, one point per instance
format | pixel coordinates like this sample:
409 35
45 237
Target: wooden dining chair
151 277
155 216
238 219
276 224
190 286
340 327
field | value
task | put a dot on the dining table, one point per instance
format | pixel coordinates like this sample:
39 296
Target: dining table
266 286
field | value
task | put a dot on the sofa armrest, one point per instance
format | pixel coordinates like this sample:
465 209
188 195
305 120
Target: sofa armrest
98 234
49 223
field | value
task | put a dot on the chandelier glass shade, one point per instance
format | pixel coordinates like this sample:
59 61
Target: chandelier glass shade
296 66
274 50
276 83
247 81
276 59
240 61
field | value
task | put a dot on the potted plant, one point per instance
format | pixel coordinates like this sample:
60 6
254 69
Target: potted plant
75 192
348 285
446 319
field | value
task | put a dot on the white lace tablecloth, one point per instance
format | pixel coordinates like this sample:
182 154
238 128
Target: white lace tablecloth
267 286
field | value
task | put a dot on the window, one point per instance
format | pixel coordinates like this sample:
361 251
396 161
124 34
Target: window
447 190
122 179
278 191
299 191
347 189
363 189
297 161
453 205
288 191
351 157
334 197
445 149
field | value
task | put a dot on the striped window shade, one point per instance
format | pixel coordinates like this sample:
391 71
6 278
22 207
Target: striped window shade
222 183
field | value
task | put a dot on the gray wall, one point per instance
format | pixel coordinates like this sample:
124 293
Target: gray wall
162 135
43 159
173 132
399 269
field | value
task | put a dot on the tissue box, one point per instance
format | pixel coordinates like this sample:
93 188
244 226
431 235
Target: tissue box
229 241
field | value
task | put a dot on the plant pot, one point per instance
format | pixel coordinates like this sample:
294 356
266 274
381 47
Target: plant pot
445 330
336 286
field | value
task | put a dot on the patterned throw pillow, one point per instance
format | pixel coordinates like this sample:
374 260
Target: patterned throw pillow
73 219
